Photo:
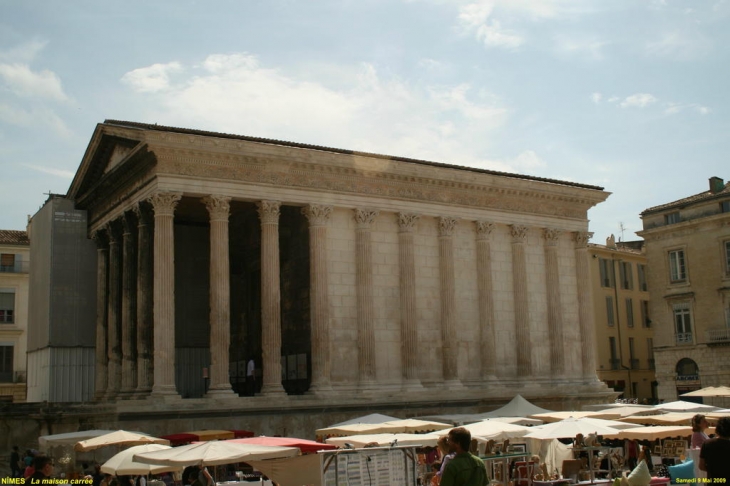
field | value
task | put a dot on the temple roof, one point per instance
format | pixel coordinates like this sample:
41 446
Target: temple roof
188 131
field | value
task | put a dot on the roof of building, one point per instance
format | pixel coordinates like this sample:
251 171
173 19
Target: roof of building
14 237
697 198
147 126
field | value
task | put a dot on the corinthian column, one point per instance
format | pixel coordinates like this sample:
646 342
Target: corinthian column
555 308
521 304
585 305
129 308
220 295
486 299
408 324
318 216
114 317
164 204
144 300
102 276
449 346
270 298
364 282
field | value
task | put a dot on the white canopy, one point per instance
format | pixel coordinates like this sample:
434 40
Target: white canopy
123 463
570 427
682 406
497 430
517 407
214 453
373 418
709 391
652 432
676 418
386 439
557 416
404 426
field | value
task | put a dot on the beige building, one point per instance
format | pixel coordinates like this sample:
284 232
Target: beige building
351 279
688 254
14 265
624 329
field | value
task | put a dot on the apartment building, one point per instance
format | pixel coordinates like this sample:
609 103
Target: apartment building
14 266
624 330
688 251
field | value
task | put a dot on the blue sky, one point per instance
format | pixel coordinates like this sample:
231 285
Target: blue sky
628 95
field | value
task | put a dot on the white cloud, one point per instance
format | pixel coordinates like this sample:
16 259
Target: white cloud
154 78
596 97
64 174
639 100
234 93
679 46
613 99
23 53
675 108
23 82
493 35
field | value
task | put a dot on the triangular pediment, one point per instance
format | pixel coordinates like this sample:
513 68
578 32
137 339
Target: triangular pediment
106 153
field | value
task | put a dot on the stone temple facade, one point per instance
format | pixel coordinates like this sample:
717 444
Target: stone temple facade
342 274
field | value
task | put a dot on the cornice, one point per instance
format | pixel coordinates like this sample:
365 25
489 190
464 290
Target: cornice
391 183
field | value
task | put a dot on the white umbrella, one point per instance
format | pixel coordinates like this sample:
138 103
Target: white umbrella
386 439
118 437
627 411
373 418
69 438
682 406
214 453
404 426
494 429
557 416
570 427
709 391
674 418
123 464
652 432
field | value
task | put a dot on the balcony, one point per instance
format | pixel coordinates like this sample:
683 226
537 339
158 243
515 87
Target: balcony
718 335
615 364
18 267
683 338
634 364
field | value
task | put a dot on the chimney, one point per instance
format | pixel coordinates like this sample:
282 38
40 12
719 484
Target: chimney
716 185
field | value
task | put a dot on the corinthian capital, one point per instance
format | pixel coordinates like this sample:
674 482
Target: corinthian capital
164 203
365 217
406 221
269 211
518 232
484 229
551 236
447 225
219 207
581 238
317 214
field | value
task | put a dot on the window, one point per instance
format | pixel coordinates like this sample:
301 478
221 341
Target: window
645 321
725 207
650 352
641 273
626 275
6 363
609 311
727 257
7 262
630 312
671 218
682 323
606 268
632 355
614 359
7 306
677 269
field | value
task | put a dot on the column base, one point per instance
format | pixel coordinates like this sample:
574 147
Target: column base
319 389
272 391
141 393
412 385
164 392
453 384
220 391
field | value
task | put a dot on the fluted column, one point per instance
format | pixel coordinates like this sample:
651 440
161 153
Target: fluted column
449 345
408 318
585 305
364 282
554 305
318 216
220 295
129 307
102 276
486 300
270 298
114 318
144 300
164 204
521 304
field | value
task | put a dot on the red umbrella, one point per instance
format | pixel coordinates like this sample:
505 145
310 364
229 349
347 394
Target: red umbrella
306 446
